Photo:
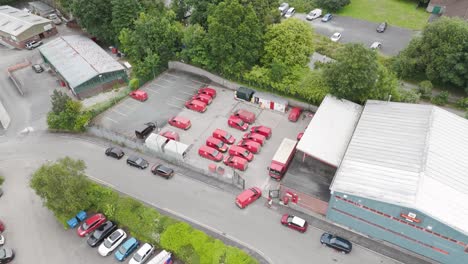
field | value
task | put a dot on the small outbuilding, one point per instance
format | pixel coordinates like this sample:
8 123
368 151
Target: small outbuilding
40 8
268 101
168 147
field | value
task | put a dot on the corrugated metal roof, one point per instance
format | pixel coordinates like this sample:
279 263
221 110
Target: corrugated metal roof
329 132
78 59
14 21
410 155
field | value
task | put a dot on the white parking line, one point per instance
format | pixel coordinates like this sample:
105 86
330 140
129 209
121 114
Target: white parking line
198 82
111 119
178 77
183 100
131 108
191 87
184 92
151 90
169 81
164 87
120 113
176 106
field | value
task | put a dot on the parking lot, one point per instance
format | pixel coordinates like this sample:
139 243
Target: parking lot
167 95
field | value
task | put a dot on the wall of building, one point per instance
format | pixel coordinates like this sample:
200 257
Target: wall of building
28 35
99 84
304 201
427 237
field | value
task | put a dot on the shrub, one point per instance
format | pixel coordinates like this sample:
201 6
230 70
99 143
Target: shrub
425 89
409 96
441 99
463 103
134 84
2 179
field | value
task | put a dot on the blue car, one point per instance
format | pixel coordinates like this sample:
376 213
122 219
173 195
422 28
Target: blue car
327 17
126 249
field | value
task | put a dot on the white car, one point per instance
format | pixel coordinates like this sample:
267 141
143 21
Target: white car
290 13
335 37
376 45
316 13
112 242
142 254
283 8
2 240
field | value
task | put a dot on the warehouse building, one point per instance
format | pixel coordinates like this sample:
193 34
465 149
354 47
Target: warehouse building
82 66
40 8
404 180
17 27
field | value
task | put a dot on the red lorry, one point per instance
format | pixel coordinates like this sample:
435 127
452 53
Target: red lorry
282 158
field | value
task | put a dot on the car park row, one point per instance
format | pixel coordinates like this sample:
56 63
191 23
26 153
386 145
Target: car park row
6 254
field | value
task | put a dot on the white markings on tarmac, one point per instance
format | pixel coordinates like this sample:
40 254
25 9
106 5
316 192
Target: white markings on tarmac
183 100
111 119
172 75
184 92
198 82
131 108
118 112
151 90
164 87
176 106
191 87
169 81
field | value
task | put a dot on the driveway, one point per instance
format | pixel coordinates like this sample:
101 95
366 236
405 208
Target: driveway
393 40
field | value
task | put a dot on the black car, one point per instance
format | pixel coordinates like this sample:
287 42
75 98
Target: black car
37 68
6 255
144 131
101 233
115 152
336 242
137 162
163 171
382 27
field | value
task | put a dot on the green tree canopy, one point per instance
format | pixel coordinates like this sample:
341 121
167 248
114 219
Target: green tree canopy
332 5
96 17
62 186
124 13
234 38
66 114
440 53
195 45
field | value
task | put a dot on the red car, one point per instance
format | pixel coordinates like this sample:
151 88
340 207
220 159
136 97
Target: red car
245 115
299 136
90 224
139 95
180 122
208 91
236 162
295 114
250 145
2 226
196 105
210 153
255 137
237 123
262 130
216 143
224 136
203 97
170 135
248 196
241 152
294 222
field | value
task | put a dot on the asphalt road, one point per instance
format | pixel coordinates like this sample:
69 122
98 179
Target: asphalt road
33 232
393 40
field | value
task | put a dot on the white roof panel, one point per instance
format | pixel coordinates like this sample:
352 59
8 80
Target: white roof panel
283 152
329 132
14 21
411 155
298 221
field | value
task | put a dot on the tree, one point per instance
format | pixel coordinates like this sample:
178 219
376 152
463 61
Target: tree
62 187
194 43
180 8
96 17
440 53
234 38
124 12
332 5
201 10
266 10
67 114
59 101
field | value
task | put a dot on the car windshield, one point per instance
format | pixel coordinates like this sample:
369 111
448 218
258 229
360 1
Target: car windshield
2 253
220 144
123 249
139 161
245 153
85 226
227 136
215 153
108 243
241 123
338 242
137 257
275 172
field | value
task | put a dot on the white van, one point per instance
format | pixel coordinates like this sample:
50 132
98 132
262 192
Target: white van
163 257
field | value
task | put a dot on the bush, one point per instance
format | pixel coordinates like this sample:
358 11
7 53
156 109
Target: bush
134 84
2 179
425 89
303 6
98 108
463 103
409 96
441 99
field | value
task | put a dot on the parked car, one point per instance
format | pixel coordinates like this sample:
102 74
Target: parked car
144 131
241 152
294 222
291 11
142 254
55 19
248 196
208 91
116 153
316 13
245 115
336 242
101 233
382 27
262 130
33 44
203 97
236 162
210 153
250 145
196 105
335 37
2 240
112 242
138 162
283 8
139 95
180 122
2 226
6 255
170 135
90 224
163 171
255 137
327 17
224 136
295 114
237 123
299 136
37 68
126 249
376 45
217 144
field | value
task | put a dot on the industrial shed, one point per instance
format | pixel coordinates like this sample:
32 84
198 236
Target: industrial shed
82 65
40 8
18 27
404 180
